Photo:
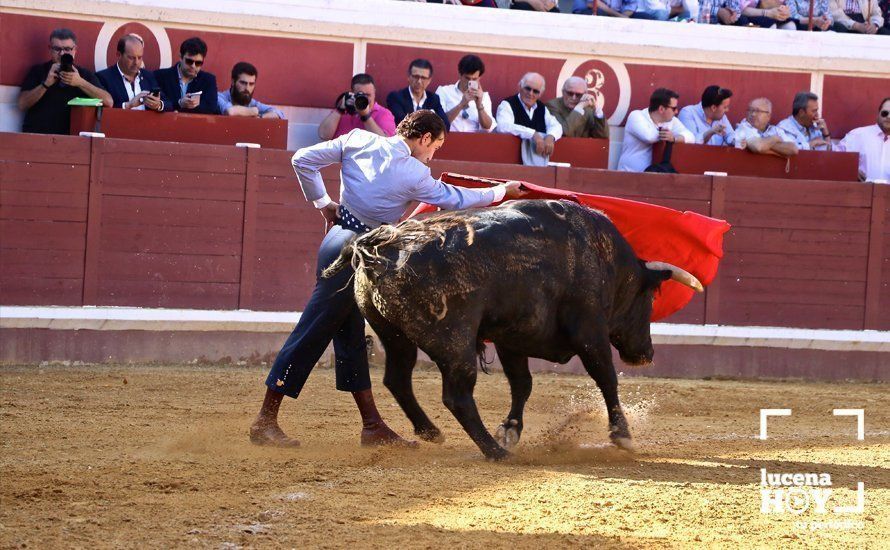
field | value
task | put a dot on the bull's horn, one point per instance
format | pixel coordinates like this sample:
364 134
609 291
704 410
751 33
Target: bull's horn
677 274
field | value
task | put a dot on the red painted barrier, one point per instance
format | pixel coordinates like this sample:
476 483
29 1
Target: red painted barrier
690 158
181 127
504 149
120 222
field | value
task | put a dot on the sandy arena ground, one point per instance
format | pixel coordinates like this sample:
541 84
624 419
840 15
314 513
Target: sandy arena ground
124 456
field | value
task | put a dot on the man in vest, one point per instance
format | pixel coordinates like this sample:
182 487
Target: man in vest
526 117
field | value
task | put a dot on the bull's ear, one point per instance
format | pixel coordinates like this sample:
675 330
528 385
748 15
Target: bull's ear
652 278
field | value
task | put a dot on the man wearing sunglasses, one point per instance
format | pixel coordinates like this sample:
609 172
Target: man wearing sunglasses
756 134
577 111
48 87
873 145
186 87
414 97
525 116
646 127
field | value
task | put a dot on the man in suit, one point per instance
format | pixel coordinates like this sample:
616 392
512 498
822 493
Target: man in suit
187 88
128 83
414 97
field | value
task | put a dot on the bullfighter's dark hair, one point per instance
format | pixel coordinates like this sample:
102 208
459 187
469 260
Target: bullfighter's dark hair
193 46
420 123
714 95
661 98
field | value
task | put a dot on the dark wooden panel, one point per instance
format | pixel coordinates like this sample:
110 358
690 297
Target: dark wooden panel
44 149
62 207
775 290
877 297
48 264
786 216
220 241
169 267
39 291
778 191
804 267
625 184
797 241
782 314
149 293
42 235
44 177
273 162
280 190
166 212
160 182
180 157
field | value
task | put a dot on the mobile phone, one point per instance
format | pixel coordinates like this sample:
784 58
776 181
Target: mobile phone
156 92
472 85
194 94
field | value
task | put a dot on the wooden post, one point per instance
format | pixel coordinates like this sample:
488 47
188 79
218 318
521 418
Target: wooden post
248 229
718 209
874 269
94 224
810 24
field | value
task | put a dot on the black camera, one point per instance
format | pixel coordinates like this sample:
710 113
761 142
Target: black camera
66 63
353 102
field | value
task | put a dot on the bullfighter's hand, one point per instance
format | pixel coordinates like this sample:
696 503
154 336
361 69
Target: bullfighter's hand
330 213
515 190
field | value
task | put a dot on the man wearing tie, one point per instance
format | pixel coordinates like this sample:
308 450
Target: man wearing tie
414 97
379 177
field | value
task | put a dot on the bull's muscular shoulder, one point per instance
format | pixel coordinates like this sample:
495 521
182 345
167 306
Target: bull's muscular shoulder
557 215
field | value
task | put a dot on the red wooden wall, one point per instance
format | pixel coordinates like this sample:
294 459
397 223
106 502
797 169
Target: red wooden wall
156 224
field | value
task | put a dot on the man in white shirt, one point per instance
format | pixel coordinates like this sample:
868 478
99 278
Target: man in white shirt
756 134
646 127
873 145
466 105
526 117
380 176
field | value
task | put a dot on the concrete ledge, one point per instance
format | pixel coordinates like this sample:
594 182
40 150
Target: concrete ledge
191 320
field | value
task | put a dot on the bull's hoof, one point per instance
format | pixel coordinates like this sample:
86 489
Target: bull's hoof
497 454
507 434
624 443
433 435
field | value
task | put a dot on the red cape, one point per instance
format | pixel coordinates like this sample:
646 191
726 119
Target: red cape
685 239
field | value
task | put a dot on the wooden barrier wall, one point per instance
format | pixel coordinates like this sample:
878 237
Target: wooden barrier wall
155 224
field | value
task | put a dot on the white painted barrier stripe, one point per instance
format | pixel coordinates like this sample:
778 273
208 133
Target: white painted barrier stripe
133 318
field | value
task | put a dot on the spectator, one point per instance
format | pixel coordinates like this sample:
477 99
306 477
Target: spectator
780 11
662 10
238 99
859 16
759 136
804 126
610 8
414 97
467 105
822 19
873 145
526 117
186 87
724 12
47 89
885 14
129 84
648 126
347 116
577 111
536 5
707 120
753 16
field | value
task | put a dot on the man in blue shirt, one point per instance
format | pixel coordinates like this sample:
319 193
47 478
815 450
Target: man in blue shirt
708 120
238 99
380 176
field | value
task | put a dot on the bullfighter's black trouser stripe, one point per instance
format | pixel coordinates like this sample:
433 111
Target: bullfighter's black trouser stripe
330 314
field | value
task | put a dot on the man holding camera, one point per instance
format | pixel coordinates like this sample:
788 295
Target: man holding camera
131 86
49 87
358 110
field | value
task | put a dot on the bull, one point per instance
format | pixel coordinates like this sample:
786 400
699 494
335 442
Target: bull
537 278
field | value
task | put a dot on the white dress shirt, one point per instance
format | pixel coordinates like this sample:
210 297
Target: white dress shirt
746 132
133 89
418 105
379 178
467 120
873 146
507 123
640 133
